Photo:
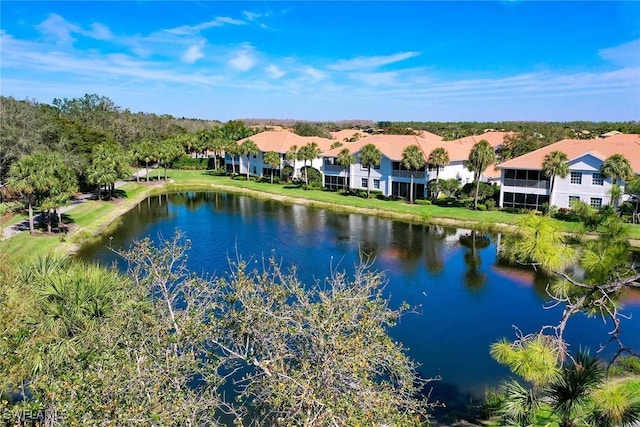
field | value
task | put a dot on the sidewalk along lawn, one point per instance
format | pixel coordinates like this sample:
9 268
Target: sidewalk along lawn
85 221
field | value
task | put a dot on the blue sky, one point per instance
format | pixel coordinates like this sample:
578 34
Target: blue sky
415 60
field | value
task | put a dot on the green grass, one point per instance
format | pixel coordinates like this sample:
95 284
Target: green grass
87 213
23 246
431 213
93 217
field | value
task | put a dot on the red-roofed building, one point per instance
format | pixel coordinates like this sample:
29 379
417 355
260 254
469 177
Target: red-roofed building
524 185
280 141
390 177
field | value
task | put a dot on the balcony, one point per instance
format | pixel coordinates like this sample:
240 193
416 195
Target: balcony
332 168
407 174
526 183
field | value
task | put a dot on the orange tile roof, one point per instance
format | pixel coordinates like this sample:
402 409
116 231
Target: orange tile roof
281 141
392 146
343 134
628 145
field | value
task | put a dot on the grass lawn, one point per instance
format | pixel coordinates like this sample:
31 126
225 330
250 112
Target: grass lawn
431 213
23 246
92 217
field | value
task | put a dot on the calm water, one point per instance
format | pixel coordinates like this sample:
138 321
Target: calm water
467 300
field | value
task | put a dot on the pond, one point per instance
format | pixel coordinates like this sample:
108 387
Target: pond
466 299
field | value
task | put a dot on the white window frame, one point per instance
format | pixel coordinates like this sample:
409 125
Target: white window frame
597 179
595 202
576 178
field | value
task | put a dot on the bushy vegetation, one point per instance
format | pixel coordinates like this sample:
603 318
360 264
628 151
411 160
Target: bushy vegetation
572 388
186 162
164 346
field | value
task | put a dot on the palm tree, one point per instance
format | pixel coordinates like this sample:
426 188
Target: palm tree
146 152
616 167
169 150
346 159
370 155
308 152
42 176
292 155
412 159
555 164
438 158
633 187
232 149
480 157
571 391
519 405
249 148
272 159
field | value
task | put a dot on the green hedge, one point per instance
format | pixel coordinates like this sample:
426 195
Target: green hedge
191 163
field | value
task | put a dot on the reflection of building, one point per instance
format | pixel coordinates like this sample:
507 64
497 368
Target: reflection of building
524 185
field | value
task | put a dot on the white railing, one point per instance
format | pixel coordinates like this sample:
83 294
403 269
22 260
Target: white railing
526 183
407 174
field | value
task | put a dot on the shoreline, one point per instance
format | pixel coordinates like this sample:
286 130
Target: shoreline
81 235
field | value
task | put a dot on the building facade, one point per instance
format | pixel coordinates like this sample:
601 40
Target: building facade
524 184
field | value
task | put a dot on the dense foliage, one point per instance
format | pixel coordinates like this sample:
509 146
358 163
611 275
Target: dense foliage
161 345
575 386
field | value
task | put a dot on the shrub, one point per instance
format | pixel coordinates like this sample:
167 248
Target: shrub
485 190
9 207
190 163
627 365
491 204
287 173
423 202
482 207
313 174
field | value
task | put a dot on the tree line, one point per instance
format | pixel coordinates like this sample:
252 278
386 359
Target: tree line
47 152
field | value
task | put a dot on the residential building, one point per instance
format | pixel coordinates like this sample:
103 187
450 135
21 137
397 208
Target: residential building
390 178
524 184
281 141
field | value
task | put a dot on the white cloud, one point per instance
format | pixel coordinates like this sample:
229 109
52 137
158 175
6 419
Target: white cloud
61 30
275 72
314 73
219 21
377 79
361 62
193 54
243 60
627 54
56 27
100 32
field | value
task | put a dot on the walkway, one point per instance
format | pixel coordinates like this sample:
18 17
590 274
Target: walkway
11 230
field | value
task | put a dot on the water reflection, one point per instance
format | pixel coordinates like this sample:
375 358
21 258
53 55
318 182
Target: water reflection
468 299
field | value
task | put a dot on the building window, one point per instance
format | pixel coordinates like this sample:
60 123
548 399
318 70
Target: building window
576 177
376 183
573 199
365 183
596 202
597 179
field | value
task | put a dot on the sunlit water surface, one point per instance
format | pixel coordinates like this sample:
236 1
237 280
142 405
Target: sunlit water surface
466 299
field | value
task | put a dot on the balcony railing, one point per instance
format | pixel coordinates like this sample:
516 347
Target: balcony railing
407 174
526 183
332 168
